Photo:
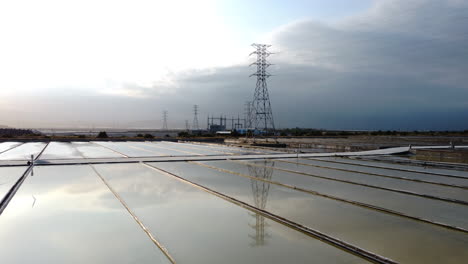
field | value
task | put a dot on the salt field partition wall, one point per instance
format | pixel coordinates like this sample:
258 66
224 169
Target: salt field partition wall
167 202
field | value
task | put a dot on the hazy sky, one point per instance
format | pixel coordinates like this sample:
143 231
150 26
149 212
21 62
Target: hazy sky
340 64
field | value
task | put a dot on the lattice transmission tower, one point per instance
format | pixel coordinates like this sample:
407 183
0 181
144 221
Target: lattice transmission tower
165 120
195 118
263 115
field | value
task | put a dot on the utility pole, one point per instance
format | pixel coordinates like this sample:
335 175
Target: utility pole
164 120
263 115
195 118
187 126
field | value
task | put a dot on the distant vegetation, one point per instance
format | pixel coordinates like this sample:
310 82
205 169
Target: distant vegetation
184 134
301 132
146 136
102 134
27 134
12 132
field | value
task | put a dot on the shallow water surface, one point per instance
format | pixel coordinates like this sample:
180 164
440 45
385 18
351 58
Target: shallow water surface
67 215
8 177
198 227
23 152
401 239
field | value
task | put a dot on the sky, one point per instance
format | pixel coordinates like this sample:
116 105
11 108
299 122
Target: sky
338 64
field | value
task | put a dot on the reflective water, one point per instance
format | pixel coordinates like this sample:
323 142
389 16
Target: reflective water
224 149
67 215
8 177
448 213
185 149
200 149
92 150
401 166
197 227
23 152
129 149
421 160
416 187
400 239
59 150
242 150
389 172
163 149
8 145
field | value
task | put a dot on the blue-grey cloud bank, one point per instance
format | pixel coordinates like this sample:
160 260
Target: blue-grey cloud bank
402 65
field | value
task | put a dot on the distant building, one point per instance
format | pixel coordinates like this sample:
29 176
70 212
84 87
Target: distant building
215 128
223 132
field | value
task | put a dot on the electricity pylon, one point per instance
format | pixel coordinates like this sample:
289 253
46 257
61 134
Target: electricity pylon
263 115
164 120
195 118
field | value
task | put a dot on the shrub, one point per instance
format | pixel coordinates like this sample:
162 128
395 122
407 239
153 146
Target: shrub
183 134
102 134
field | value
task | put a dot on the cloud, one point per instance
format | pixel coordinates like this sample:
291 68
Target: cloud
416 38
398 65
402 65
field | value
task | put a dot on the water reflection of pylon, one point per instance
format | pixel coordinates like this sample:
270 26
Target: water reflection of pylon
260 191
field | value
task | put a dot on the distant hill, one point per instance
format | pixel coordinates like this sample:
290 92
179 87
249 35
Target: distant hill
2 126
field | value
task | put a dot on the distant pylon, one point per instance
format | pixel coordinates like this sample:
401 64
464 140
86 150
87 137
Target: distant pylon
263 115
187 126
248 115
164 120
195 118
